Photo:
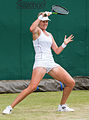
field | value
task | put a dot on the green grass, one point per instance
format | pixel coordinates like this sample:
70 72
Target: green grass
43 106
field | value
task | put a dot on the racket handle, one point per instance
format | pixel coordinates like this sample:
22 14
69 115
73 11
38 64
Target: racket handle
54 13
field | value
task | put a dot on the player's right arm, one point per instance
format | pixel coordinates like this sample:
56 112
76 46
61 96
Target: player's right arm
35 29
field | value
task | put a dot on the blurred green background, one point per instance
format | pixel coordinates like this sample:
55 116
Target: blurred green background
16 48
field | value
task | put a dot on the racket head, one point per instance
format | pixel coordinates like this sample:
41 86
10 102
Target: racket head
56 9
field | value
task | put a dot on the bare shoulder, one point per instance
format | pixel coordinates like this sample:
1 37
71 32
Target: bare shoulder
49 33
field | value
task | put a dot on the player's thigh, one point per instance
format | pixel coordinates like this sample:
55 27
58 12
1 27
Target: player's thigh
37 75
62 75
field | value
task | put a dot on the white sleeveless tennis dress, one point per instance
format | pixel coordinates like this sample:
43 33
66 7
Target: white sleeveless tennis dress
43 54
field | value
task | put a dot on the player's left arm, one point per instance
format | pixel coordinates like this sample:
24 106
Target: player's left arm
57 49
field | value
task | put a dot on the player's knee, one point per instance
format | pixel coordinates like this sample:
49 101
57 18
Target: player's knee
34 87
30 89
72 83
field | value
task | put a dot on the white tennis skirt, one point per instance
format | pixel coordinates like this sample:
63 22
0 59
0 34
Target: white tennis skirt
47 64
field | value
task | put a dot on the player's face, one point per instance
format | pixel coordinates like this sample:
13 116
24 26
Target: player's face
43 24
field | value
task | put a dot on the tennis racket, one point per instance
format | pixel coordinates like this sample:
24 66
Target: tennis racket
56 9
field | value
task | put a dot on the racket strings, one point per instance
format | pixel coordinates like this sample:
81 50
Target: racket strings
59 10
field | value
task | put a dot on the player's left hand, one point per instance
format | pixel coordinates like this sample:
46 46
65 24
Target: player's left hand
69 39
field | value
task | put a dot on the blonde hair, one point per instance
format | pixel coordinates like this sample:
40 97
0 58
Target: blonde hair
40 13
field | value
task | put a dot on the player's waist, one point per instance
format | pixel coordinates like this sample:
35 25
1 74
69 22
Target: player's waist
44 56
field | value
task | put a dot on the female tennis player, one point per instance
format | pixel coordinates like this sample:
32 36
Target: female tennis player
44 63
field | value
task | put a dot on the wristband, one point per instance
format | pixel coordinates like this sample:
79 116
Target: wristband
63 45
40 17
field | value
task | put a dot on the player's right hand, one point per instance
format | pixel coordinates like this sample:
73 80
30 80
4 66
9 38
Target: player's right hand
46 13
